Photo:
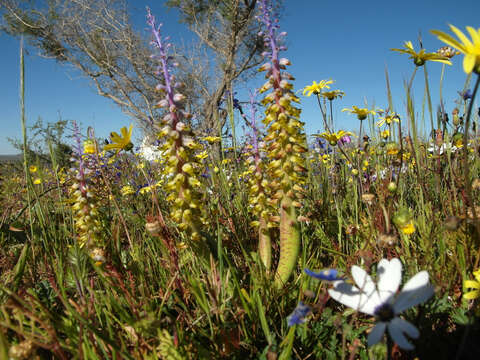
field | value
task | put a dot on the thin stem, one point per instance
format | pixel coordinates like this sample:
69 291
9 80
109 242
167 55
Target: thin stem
466 168
442 74
331 115
429 99
325 124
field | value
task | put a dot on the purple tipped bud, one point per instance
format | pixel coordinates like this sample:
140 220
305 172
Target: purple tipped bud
284 61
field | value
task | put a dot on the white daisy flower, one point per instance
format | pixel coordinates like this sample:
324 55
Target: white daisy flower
380 300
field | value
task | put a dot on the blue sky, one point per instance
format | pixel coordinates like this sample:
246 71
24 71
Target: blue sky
347 41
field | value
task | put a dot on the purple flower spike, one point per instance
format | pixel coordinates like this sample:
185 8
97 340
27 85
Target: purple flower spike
327 275
299 314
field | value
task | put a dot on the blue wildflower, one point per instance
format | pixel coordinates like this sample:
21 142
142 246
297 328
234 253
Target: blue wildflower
299 314
328 275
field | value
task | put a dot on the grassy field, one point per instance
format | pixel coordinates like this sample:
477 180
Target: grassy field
215 248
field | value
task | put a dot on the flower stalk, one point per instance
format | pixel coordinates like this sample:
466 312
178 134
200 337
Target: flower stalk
286 143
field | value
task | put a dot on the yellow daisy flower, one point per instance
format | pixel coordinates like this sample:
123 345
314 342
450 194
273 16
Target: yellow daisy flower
471 49
317 88
331 95
211 139
202 155
121 142
362 113
333 138
388 119
420 57
407 229
33 168
127 190
37 181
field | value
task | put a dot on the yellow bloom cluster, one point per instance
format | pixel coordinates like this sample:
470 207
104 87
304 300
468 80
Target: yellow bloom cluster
85 215
286 141
259 192
182 167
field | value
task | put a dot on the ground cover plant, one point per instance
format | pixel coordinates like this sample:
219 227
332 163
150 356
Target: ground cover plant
273 246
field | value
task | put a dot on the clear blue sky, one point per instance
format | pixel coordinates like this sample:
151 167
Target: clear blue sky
347 41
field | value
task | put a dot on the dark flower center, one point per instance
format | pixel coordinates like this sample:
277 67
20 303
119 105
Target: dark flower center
384 312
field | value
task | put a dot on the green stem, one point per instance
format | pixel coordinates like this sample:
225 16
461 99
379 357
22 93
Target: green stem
442 74
429 99
324 115
466 167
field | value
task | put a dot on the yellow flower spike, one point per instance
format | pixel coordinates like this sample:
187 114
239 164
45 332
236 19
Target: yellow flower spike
471 49
317 88
419 58
333 138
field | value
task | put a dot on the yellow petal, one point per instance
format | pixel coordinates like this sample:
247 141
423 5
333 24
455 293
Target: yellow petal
471 295
115 137
470 284
111 146
474 35
461 36
449 40
469 63
124 132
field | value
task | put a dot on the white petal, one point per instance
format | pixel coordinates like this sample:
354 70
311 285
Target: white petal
351 296
389 274
377 333
416 291
363 280
397 327
419 280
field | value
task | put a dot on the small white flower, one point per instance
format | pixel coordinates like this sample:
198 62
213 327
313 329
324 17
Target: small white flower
381 301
